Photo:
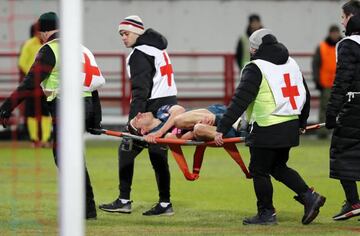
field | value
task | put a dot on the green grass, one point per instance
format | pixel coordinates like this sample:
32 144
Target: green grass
213 205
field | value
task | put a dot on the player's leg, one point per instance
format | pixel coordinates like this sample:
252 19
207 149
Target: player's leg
204 132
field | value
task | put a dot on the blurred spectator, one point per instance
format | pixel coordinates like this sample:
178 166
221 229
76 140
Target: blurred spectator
324 68
242 49
38 120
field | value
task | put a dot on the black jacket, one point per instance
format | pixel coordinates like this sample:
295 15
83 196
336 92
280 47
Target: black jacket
142 70
345 143
280 135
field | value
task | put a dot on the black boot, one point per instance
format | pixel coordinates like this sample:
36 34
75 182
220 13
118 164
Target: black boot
263 217
312 202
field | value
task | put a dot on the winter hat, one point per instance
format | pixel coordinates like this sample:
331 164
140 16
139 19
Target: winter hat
48 21
133 24
256 38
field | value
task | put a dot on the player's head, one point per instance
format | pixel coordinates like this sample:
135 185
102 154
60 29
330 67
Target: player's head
141 122
48 24
349 9
130 29
259 37
334 33
254 23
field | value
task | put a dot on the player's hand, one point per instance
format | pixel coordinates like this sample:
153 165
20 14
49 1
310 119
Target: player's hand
219 139
302 131
151 138
4 117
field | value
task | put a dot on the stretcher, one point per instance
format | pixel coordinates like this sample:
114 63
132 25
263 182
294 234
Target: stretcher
176 150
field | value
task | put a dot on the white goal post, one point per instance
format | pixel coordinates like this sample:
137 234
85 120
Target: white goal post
71 122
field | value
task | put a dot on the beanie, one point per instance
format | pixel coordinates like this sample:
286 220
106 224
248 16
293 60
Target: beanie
48 21
133 24
256 38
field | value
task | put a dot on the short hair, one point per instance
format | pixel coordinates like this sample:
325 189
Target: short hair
351 7
254 17
334 28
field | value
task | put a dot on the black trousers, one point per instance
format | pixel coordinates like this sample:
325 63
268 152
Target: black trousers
159 160
90 203
265 162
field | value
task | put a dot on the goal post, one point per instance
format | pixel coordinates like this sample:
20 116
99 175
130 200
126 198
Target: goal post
71 121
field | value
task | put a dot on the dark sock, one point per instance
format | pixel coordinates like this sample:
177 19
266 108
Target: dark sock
350 190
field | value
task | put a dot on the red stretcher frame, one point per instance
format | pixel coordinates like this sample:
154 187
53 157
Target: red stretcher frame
175 147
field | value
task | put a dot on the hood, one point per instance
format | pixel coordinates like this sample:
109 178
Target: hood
272 51
353 26
152 38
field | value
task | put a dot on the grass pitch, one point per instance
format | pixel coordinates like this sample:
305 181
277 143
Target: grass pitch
215 204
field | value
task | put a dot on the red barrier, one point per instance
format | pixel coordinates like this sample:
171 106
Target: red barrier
200 85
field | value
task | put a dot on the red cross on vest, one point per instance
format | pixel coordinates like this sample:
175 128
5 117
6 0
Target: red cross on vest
167 69
290 91
89 71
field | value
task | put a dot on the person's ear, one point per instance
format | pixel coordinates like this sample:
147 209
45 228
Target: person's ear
143 131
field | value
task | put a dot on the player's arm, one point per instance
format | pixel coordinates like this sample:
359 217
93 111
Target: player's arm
189 119
189 135
174 111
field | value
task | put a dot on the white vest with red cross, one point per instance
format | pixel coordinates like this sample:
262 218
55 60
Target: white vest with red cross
286 84
92 77
163 81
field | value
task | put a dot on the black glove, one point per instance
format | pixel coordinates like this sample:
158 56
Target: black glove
330 122
95 131
5 114
4 117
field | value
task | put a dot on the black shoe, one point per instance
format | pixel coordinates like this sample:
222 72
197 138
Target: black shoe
264 217
117 206
348 211
158 210
312 202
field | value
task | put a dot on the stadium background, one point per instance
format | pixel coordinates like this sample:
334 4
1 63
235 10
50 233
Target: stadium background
216 203
196 30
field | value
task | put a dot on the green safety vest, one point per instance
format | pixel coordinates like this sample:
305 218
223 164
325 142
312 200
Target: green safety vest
246 47
261 109
51 84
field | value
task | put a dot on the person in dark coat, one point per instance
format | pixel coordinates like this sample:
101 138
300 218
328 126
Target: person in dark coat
343 113
152 86
269 83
